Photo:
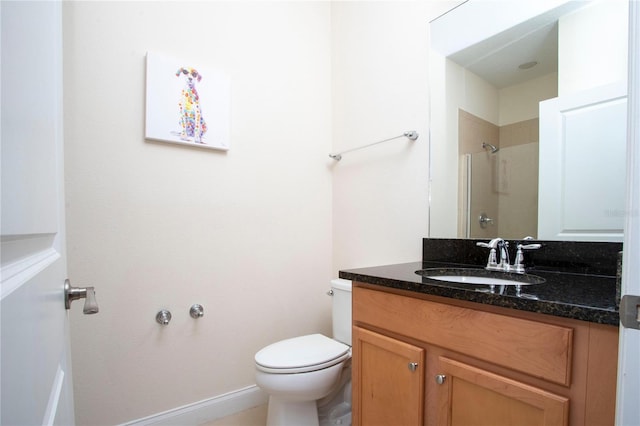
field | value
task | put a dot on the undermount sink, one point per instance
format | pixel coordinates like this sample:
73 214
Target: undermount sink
479 276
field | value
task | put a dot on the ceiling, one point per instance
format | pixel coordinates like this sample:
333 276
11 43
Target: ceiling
497 59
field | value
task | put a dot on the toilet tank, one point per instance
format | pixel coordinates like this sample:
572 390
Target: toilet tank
341 313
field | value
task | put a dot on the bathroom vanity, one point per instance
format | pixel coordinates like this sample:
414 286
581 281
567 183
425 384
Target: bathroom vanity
428 352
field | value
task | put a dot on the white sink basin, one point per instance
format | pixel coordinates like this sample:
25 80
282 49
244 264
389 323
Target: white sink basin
475 280
479 277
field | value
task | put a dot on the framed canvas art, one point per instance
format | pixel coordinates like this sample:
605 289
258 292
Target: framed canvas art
187 104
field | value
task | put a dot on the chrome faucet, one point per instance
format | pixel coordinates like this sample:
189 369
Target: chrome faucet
498 245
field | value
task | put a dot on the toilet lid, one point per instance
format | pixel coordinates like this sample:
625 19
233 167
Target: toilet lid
301 353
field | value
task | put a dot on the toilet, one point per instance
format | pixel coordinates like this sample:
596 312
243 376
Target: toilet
310 374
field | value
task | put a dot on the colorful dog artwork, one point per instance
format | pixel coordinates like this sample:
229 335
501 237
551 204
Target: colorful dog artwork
180 94
190 112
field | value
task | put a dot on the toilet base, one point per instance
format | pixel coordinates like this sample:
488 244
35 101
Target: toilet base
292 413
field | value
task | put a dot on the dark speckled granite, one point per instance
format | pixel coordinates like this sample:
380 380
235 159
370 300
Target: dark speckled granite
619 279
580 278
559 256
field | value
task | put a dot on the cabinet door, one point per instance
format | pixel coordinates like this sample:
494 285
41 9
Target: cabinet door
388 380
472 396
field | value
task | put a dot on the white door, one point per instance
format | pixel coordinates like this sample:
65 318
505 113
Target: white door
627 408
36 375
583 143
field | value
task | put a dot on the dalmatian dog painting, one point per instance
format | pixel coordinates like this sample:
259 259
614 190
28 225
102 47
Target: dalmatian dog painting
186 103
191 119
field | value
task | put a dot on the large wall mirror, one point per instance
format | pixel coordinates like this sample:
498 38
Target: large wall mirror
528 120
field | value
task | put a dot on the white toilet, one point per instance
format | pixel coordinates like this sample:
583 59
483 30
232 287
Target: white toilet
297 373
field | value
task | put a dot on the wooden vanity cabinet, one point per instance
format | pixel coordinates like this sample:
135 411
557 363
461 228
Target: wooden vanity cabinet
475 396
421 360
394 393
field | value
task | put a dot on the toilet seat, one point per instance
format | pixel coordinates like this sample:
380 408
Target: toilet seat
301 355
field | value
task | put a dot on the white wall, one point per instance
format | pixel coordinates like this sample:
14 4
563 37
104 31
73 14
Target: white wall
520 101
602 52
245 233
380 89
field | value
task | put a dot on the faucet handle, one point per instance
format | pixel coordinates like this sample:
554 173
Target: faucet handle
518 264
492 262
529 246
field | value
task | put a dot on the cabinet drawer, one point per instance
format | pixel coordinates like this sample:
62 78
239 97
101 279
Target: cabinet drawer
538 349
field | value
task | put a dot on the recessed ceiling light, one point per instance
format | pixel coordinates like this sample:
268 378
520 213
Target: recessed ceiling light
528 65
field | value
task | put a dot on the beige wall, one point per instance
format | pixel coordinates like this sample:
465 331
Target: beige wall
246 233
380 89
255 234
517 173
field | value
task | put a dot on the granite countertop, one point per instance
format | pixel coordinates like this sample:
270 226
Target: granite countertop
586 297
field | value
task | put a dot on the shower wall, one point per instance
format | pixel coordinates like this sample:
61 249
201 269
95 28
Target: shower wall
503 185
518 179
483 197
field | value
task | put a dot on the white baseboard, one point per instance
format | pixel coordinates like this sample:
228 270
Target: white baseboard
207 410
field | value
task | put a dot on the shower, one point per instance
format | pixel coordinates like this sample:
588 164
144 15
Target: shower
493 148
